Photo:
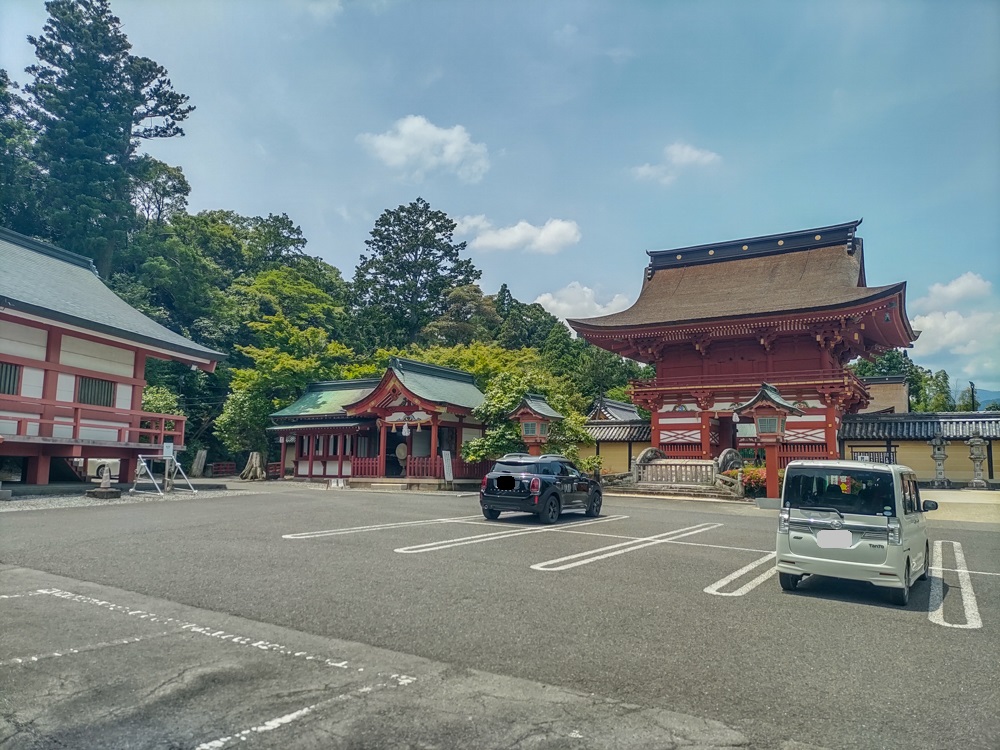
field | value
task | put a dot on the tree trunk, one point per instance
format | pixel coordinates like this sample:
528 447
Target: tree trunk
254 468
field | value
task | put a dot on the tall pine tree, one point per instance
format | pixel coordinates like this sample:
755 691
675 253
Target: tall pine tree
92 102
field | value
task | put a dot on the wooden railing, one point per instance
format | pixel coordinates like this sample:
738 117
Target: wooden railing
364 466
128 425
223 468
738 384
681 450
788 452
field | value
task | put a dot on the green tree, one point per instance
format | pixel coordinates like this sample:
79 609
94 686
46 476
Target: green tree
92 103
898 362
158 190
18 175
937 393
468 317
526 325
402 283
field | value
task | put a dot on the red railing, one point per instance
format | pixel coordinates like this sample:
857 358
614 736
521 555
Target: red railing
681 450
788 452
364 466
425 467
748 381
465 470
128 425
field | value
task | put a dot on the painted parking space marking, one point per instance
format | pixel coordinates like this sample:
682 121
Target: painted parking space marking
497 536
747 587
935 603
613 550
376 527
84 649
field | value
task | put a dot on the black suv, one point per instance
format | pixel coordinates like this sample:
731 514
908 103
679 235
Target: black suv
544 485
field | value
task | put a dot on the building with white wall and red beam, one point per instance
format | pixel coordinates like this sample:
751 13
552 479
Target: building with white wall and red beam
719 320
73 365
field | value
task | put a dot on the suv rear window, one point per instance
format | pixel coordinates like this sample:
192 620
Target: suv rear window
515 467
859 491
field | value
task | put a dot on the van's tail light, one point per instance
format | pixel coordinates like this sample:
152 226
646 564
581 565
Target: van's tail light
536 486
783 517
895 531
482 487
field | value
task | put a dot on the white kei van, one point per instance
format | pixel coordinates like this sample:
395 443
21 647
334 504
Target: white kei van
853 519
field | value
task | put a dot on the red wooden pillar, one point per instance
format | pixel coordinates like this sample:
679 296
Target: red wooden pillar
284 457
434 446
53 345
341 440
381 449
832 451
771 470
409 452
311 453
138 373
706 434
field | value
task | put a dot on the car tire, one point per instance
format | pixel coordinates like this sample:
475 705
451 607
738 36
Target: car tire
927 563
594 508
550 511
491 514
788 581
100 471
901 597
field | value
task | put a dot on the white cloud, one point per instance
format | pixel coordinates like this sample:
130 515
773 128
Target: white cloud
321 10
953 332
577 301
416 146
676 157
554 235
967 287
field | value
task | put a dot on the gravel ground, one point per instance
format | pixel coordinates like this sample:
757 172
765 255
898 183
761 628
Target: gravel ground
48 502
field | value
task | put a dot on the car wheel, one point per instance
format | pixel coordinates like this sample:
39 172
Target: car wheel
550 512
788 581
491 514
594 509
927 563
100 471
901 597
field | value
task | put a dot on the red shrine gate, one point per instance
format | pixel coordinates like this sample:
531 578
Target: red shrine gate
719 320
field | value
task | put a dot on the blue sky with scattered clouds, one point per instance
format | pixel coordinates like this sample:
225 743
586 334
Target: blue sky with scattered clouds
567 138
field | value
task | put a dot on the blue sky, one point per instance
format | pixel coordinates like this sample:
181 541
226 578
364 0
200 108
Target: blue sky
567 138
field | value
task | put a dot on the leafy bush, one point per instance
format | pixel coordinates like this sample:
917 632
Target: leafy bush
754 480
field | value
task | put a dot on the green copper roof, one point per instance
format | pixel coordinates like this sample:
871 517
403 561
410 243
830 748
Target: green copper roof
442 385
539 405
326 399
41 279
767 393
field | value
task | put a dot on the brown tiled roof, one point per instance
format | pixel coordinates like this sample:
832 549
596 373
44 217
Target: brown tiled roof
800 280
920 426
614 431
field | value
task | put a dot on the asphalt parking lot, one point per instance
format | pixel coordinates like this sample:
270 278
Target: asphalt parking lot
346 619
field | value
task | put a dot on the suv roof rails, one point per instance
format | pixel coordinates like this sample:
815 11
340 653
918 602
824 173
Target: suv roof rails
554 455
517 455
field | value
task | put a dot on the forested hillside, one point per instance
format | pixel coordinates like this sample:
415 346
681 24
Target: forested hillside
73 172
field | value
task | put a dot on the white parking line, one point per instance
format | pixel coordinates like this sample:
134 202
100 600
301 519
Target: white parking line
83 649
602 553
375 527
267 726
714 588
496 536
935 604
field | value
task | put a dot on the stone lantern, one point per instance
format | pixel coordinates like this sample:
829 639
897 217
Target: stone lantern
534 415
769 411
938 453
977 454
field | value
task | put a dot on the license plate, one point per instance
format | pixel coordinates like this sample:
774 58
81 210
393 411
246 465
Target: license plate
834 538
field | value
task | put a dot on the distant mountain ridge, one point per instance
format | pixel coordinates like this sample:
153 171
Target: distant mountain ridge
986 397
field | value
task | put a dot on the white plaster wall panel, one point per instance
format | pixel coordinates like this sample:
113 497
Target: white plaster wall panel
806 418
467 435
805 436
66 387
32 381
63 430
303 468
678 416
95 433
123 396
9 427
680 436
90 355
347 467
22 341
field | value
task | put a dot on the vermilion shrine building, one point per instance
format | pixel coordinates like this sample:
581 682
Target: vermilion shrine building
402 426
719 320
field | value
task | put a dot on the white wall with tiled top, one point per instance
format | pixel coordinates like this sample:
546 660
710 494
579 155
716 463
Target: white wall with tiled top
22 341
90 355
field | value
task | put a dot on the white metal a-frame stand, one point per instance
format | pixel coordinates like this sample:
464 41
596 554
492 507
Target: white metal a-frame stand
171 468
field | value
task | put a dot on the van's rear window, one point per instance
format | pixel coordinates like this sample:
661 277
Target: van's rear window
515 467
857 491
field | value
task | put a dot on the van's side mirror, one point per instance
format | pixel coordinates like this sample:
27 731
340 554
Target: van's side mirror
929 505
